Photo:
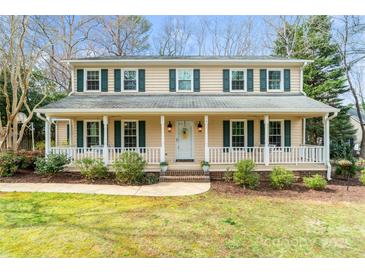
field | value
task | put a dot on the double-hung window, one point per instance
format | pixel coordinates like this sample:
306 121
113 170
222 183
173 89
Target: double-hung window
237 80
93 80
130 134
237 133
184 79
275 133
93 133
130 80
275 80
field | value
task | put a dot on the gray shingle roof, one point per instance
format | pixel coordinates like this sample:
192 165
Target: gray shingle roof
192 102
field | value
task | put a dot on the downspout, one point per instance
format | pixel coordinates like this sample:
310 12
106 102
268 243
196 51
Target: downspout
328 162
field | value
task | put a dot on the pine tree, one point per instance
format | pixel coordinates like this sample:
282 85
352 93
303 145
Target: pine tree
324 79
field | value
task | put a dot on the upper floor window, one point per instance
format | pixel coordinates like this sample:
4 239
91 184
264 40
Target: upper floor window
93 80
238 133
275 82
184 79
237 80
130 80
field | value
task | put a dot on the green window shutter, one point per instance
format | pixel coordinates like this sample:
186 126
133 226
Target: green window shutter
141 80
104 80
250 133
80 80
102 132
287 130
196 80
263 81
286 79
117 81
226 133
80 133
250 80
117 134
262 132
226 80
142 133
172 82
68 133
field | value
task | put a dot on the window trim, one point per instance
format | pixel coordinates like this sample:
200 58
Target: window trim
244 133
244 79
122 70
282 131
177 80
85 131
123 135
281 79
85 79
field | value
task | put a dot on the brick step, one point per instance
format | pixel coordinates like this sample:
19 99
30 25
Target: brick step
182 172
185 179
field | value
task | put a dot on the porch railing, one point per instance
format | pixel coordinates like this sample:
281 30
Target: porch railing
276 155
150 154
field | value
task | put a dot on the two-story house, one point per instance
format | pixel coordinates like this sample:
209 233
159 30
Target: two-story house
187 109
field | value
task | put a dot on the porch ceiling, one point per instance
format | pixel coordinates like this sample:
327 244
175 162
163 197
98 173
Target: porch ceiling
188 103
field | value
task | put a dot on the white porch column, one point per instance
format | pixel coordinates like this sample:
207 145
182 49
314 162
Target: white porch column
304 131
326 143
206 146
266 148
105 148
47 141
162 149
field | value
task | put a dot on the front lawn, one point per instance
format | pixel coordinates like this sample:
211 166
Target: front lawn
208 225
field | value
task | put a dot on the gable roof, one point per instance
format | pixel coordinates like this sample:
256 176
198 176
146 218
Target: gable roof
192 102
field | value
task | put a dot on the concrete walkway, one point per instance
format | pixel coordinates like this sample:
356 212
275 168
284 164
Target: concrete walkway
161 189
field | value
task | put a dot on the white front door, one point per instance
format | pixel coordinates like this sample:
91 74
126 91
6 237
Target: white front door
184 140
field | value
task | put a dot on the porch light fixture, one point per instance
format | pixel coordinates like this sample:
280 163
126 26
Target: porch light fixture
169 126
200 127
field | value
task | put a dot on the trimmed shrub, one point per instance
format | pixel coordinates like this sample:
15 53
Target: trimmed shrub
51 164
9 164
92 169
316 182
150 179
362 177
245 176
281 178
129 168
27 158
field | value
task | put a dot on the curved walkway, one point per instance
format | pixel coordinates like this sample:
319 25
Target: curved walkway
160 189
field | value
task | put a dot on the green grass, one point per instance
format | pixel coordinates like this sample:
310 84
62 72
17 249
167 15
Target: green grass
208 225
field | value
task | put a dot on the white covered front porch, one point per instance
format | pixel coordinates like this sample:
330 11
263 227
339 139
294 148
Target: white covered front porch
265 155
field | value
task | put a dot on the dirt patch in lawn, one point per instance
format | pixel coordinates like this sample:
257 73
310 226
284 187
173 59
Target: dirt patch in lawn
336 191
28 176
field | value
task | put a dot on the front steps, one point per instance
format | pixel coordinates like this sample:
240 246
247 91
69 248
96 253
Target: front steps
184 176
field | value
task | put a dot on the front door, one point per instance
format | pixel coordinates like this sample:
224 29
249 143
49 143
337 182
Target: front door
184 140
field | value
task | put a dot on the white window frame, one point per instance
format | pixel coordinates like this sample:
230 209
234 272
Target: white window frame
85 79
281 79
123 135
85 131
282 130
244 80
177 80
122 79
244 133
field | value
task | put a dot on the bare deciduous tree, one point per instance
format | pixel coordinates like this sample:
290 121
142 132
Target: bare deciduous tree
19 55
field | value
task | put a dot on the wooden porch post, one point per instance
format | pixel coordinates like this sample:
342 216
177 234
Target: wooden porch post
105 148
162 150
47 141
266 148
206 147
326 143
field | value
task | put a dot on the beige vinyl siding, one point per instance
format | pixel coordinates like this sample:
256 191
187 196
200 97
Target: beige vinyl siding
61 133
211 77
